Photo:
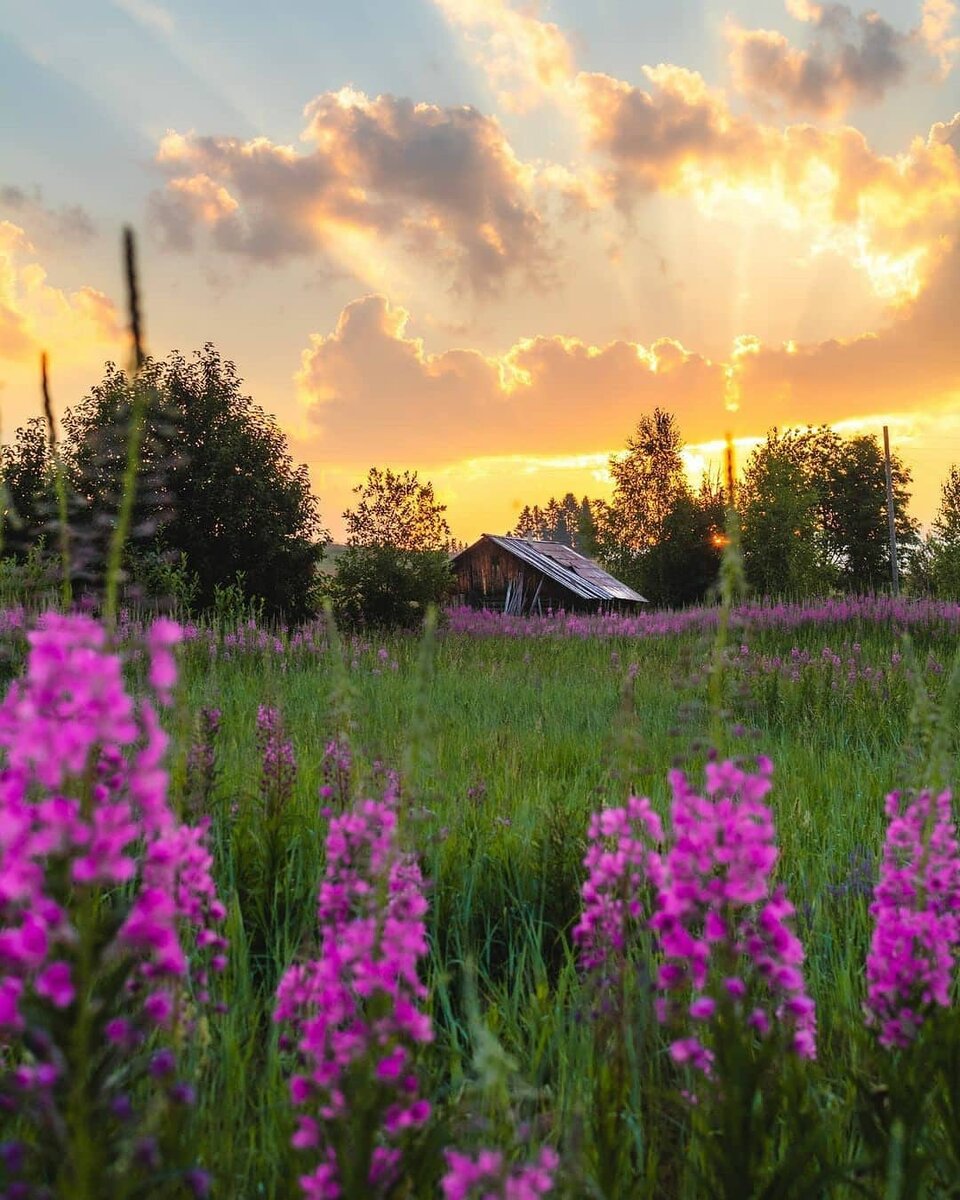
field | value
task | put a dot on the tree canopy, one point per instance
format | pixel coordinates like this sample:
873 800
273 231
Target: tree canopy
217 484
396 509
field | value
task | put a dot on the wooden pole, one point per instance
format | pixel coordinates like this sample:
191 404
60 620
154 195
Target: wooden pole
891 522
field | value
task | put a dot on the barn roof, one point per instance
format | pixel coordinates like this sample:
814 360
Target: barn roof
565 566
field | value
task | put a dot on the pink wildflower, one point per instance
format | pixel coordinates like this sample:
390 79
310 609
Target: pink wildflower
488 1177
916 909
83 805
715 905
357 1005
621 863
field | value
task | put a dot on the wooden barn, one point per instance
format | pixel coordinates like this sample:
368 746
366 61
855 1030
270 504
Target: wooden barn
521 576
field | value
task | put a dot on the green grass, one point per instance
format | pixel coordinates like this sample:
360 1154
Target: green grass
516 742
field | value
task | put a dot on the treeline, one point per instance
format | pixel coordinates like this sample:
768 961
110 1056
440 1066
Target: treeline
225 521
812 513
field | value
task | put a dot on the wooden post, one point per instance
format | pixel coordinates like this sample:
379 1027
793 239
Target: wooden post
891 522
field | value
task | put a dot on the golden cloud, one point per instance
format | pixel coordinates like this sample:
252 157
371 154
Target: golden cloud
438 181
35 315
889 214
936 23
378 395
524 57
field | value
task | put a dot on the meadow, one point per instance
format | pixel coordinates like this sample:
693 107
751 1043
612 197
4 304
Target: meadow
499 739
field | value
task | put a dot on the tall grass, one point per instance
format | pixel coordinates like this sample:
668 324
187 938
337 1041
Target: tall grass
520 739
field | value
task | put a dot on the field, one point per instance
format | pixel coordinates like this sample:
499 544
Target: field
507 736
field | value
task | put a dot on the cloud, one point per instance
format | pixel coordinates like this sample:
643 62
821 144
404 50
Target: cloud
378 395
853 59
911 365
71 223
936 23
889 214
442 183
34 315
524 57
856 60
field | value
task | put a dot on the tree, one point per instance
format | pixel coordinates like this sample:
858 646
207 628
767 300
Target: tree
683 565
814 513
27 470
387 587
856 511
656 534
779 507
944 540
397 561
217 484
648 480
587 527
567 521
397 510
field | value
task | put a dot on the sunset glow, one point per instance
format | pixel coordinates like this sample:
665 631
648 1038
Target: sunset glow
480 238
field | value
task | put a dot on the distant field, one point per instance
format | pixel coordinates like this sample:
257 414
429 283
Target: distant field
331 553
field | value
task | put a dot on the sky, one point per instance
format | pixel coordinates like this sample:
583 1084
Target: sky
479 239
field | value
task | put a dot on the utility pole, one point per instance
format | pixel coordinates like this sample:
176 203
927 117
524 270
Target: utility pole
891 523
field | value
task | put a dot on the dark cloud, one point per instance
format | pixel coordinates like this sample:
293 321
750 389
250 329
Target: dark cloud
853 59
70 223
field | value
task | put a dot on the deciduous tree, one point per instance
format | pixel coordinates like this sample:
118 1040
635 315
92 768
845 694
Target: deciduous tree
218 487
396 510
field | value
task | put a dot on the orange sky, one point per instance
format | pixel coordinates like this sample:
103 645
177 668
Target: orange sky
490 274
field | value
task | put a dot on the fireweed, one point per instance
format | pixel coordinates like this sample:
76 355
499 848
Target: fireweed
337 786
722 930
489 1177
916 910
201 777
621 864
278 764
354 1011
109 919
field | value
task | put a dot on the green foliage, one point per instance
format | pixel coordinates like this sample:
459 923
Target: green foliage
27 470
647 481
217 485
856 514
813 507
943 547
779 504
397 510
657 534
568 521
383 586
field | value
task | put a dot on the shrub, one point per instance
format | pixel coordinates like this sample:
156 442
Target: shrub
388 587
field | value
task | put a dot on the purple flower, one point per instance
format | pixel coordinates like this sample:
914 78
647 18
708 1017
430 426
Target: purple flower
488 1177
916 911
356 1008
716 906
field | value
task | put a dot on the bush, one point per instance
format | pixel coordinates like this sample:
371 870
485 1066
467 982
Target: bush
387 587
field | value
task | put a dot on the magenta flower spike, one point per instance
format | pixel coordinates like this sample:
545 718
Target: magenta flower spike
916 910
356 1008
96 869
723 928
